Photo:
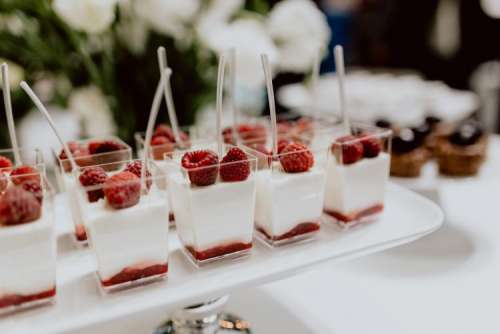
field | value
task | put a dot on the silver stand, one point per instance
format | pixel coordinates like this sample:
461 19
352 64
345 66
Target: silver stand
206 318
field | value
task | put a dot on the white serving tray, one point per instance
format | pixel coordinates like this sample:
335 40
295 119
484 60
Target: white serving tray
407 217
429 182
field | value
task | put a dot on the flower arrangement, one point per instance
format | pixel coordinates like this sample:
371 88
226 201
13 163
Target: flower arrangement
97 58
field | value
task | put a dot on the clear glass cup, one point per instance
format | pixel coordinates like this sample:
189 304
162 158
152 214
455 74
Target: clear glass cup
357 174
127 225
67 182
27 242
290 190
215 221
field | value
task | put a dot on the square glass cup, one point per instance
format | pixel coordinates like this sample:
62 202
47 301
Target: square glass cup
67 182
29 157
214 221
27 243
248 127
127 225
357 175
290 191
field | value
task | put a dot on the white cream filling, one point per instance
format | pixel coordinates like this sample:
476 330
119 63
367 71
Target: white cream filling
28 256
285 200
128 237
214 215
356 187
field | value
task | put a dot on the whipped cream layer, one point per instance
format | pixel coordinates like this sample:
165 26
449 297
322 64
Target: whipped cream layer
214 215
129 237
28 256
285 200
356 187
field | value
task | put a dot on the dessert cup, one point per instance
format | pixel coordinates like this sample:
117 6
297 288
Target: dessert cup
127 224
83 158
289 202
357 174
27 243
214 215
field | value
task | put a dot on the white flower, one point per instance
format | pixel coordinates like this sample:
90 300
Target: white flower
90 16
491 7
12 23
16 74
217 14
91 106
250 39
132 30
169 17
300 30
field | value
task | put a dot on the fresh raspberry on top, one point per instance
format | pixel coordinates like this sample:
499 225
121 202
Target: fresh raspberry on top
248 131
202 166
104 146
166 131
122 190
93 176
296 158
304 124
231 170
18 206
4 181
80 154
371 146
227 135
33 187
161 145
349 148
73 146
283 127
282 143
23 173
5 162
135 167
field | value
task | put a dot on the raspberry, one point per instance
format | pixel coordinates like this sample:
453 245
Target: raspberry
104 146
304 125
283 127
5 162
135 168
73 146
349 148
122 190
23 173
93 176
247 131
35 188
80 154
227 135
4 181
296 158
235 171
161 145
371 146
282 143
202 166
18 206
166 131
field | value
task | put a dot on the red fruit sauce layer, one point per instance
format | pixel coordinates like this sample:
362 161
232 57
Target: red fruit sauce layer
81 234
356 215
132 274
302 228
218 251
171 217
14 300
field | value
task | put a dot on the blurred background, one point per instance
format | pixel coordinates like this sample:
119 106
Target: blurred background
94 64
